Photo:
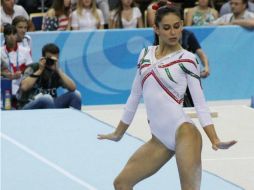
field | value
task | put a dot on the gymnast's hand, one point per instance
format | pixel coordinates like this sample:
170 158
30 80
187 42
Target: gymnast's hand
111 136
117 134
223 145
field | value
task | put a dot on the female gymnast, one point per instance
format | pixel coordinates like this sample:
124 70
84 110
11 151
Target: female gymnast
164 71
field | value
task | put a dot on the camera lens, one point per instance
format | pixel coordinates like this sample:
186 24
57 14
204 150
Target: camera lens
50 62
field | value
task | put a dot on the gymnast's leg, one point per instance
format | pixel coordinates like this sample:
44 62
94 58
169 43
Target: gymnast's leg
188 156
147 160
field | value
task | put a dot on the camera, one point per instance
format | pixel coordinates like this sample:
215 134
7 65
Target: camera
50 62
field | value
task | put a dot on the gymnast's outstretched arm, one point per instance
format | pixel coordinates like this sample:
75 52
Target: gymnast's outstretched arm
129 111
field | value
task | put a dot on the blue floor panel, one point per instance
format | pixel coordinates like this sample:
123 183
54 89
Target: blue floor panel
59 150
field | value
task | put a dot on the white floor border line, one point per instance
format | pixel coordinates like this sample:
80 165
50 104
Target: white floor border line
47 162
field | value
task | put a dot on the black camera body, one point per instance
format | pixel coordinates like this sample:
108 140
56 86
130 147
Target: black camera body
49 61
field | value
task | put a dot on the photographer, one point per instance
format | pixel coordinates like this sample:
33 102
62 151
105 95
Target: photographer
38 89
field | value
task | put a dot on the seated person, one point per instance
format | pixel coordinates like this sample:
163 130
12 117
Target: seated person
9 10
226 8
239 16
126 15
87 16
201 15
57 17
38 89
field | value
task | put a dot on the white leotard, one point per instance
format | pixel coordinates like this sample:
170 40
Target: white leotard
163 82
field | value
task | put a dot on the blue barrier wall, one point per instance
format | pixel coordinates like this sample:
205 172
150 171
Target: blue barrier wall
103 63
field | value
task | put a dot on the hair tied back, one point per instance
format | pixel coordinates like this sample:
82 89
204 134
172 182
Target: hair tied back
160 4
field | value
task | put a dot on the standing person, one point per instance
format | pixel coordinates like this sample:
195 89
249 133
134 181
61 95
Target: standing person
23 39
57 17
162 77
87 16
38 89
16 57
126 15
190 43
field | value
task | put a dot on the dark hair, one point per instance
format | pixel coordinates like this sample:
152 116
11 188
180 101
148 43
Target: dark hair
50 48
118 13
19 19
9 29
246 3
163 9
58 6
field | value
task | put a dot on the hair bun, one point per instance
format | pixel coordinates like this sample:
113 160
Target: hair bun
160 4
155 6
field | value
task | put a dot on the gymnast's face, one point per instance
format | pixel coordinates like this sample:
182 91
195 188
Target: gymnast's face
169 29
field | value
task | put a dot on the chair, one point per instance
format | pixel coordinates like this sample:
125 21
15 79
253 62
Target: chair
145 19
37 18
185 12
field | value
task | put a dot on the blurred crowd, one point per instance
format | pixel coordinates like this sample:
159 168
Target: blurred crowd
107 14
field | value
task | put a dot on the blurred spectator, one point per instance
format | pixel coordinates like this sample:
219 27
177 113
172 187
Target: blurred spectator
87 16
103 5
201 14
113 4
239 16
226 8
190 43
16 57
143 4
58 16
35 6
24 40
126 15
9 11
38 89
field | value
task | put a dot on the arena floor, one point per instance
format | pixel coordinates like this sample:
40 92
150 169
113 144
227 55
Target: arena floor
58 149
235 121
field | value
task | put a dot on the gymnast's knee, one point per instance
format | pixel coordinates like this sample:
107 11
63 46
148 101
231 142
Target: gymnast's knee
188 129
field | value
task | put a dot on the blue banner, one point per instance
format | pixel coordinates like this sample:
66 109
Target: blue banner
103 63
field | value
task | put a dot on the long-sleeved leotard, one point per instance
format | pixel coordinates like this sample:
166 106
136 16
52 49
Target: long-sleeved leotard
163 82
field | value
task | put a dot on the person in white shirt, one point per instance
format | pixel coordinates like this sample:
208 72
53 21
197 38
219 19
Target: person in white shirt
226 8
23 39
87 16
239 16
16 57
126 15
9 10
103 5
